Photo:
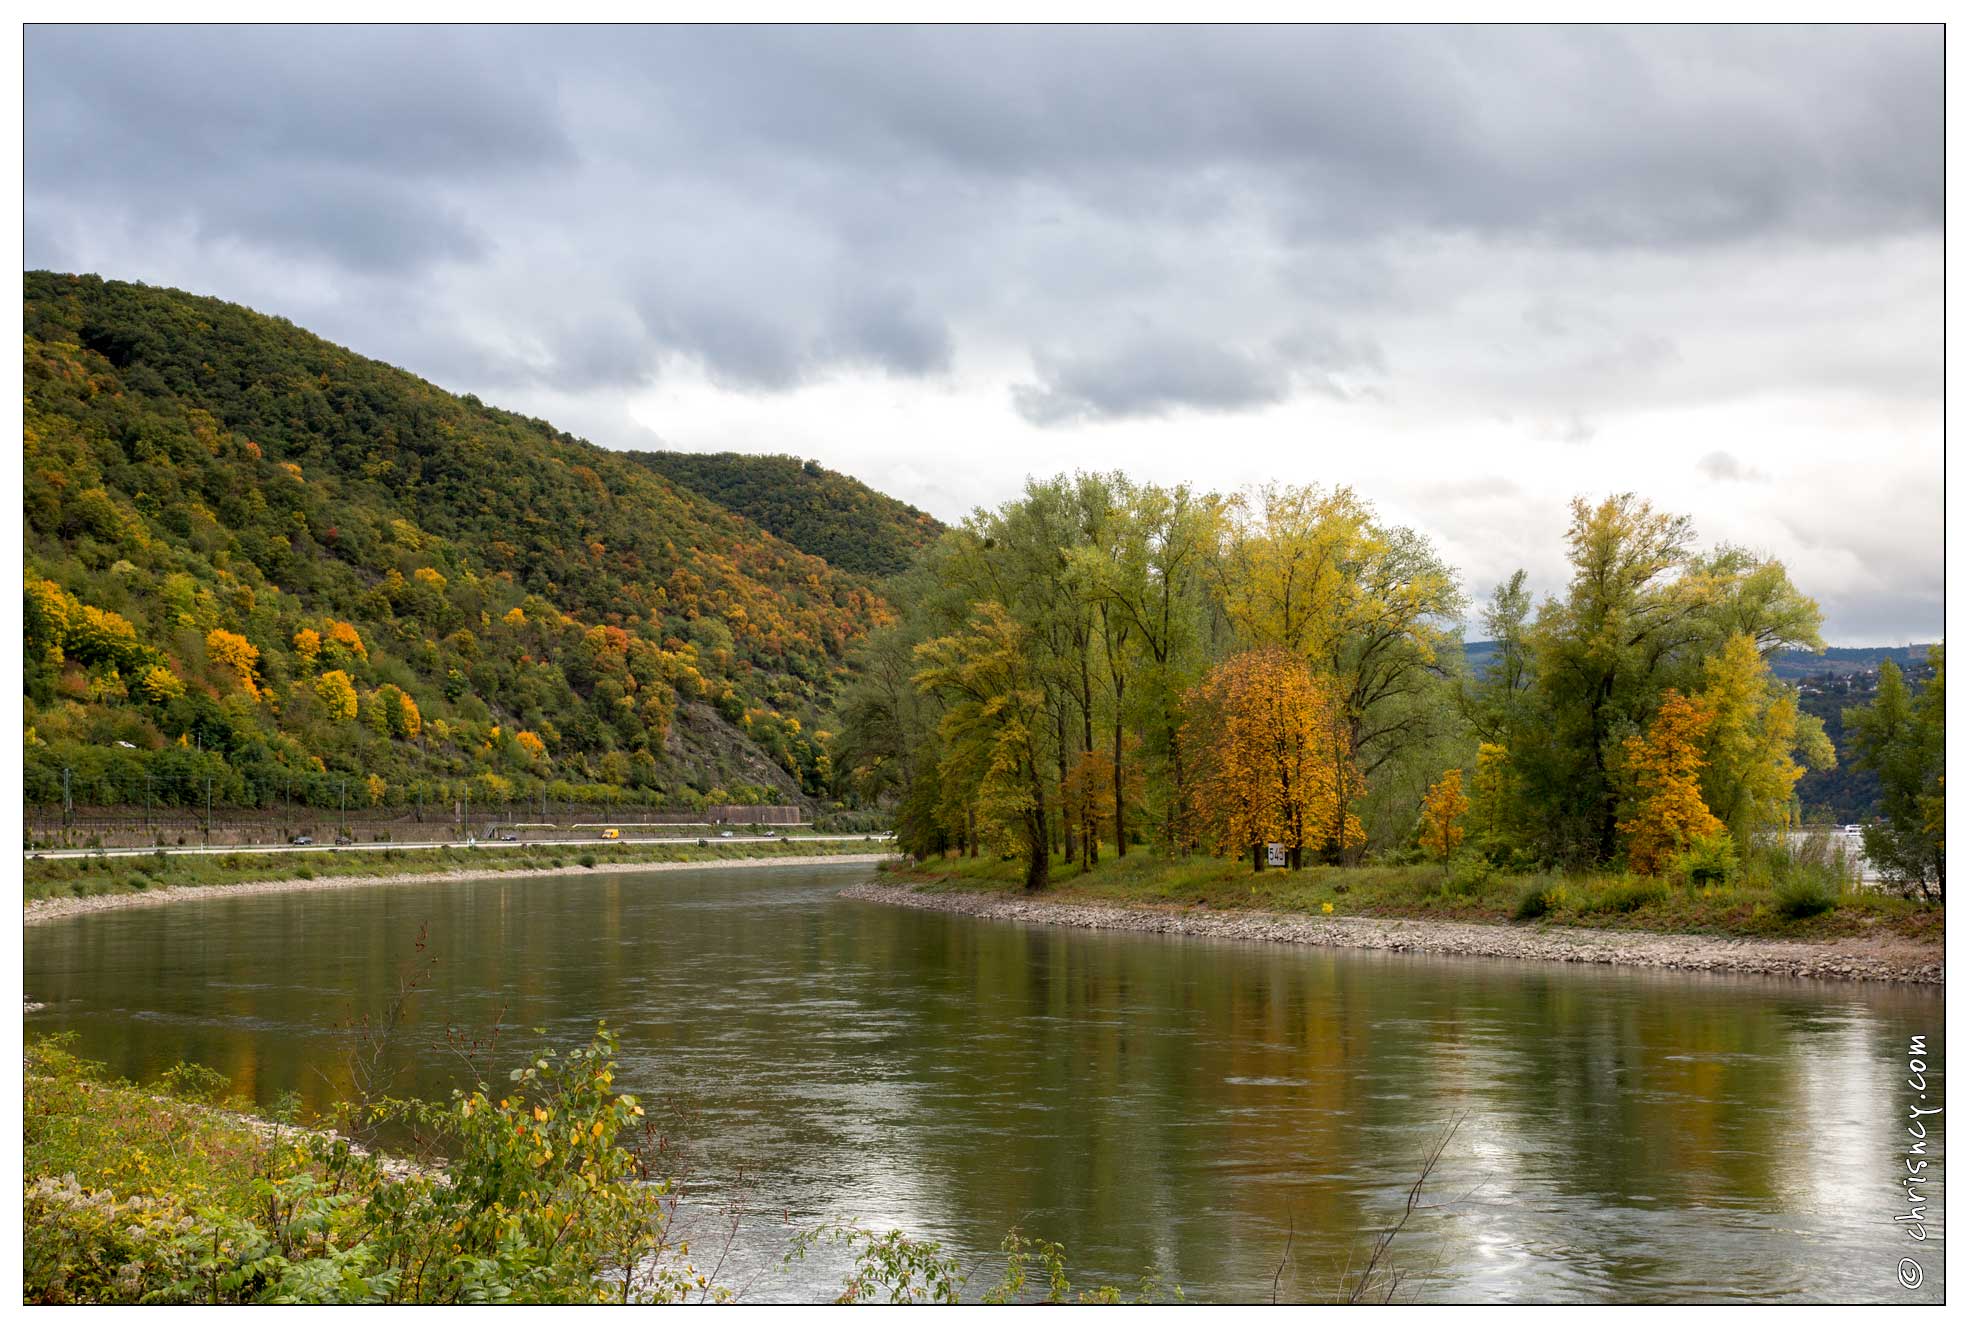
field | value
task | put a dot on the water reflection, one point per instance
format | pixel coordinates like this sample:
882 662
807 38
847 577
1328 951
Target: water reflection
1146 1100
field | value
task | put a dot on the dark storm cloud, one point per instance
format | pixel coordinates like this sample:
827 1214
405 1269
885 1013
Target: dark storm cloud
1153 376
885 328
928 161
316 143
1547 232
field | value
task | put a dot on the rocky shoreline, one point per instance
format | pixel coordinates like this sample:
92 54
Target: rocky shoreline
46 911
1870 959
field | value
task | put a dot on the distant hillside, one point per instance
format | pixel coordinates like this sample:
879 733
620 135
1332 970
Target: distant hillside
1842 660
823 512
256 556
1789 665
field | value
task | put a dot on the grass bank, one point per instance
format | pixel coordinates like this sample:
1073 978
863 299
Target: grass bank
100 875
1466 893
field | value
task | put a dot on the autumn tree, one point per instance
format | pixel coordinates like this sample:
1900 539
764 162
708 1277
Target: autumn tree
1147 578
1641 613
234 656
1368 605
338 694
1263 743
1666 767
159 685
1758 743
401 718
1442 813
995 706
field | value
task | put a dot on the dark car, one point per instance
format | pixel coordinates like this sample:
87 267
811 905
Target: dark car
344 839
507 836
302 839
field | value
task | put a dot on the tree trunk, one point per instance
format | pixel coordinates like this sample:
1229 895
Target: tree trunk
1120 829
1091 849
1179 842
1257 857
1039 855
971 828
1068 848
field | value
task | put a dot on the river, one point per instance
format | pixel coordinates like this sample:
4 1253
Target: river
1227 1111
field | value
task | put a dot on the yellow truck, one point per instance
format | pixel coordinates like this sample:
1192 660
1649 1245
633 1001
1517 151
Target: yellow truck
611 833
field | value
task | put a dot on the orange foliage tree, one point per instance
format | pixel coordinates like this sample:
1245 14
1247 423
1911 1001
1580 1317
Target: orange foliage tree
1442 809
234 655
1666 767
1264 737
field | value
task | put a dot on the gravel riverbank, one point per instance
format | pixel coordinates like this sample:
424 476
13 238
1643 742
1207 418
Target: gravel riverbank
44 911
1873 959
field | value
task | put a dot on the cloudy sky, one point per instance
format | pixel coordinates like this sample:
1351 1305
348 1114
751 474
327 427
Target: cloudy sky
1471 273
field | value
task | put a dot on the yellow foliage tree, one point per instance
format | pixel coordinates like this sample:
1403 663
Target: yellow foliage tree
235 655
514 617
377 789
338 693
344 638
1442 809
48 608
1264 738
531 744
1666 767
158 684
1749 756
307 647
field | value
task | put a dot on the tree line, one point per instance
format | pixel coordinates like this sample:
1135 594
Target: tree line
1103 665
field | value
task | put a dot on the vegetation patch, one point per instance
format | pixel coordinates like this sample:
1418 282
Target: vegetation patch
1752 906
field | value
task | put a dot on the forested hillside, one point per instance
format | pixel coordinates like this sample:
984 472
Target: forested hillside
825 513
257 557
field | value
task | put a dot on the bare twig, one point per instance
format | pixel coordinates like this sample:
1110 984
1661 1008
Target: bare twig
1286 1254
1379 1256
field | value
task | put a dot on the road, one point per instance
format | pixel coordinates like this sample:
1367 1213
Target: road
587 841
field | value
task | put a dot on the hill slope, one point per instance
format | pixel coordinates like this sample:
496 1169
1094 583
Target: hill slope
255 555
825 513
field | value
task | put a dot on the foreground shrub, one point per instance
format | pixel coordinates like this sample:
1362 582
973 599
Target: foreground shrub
1627 896
1534 903
1804 895
1467 875
1710 860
